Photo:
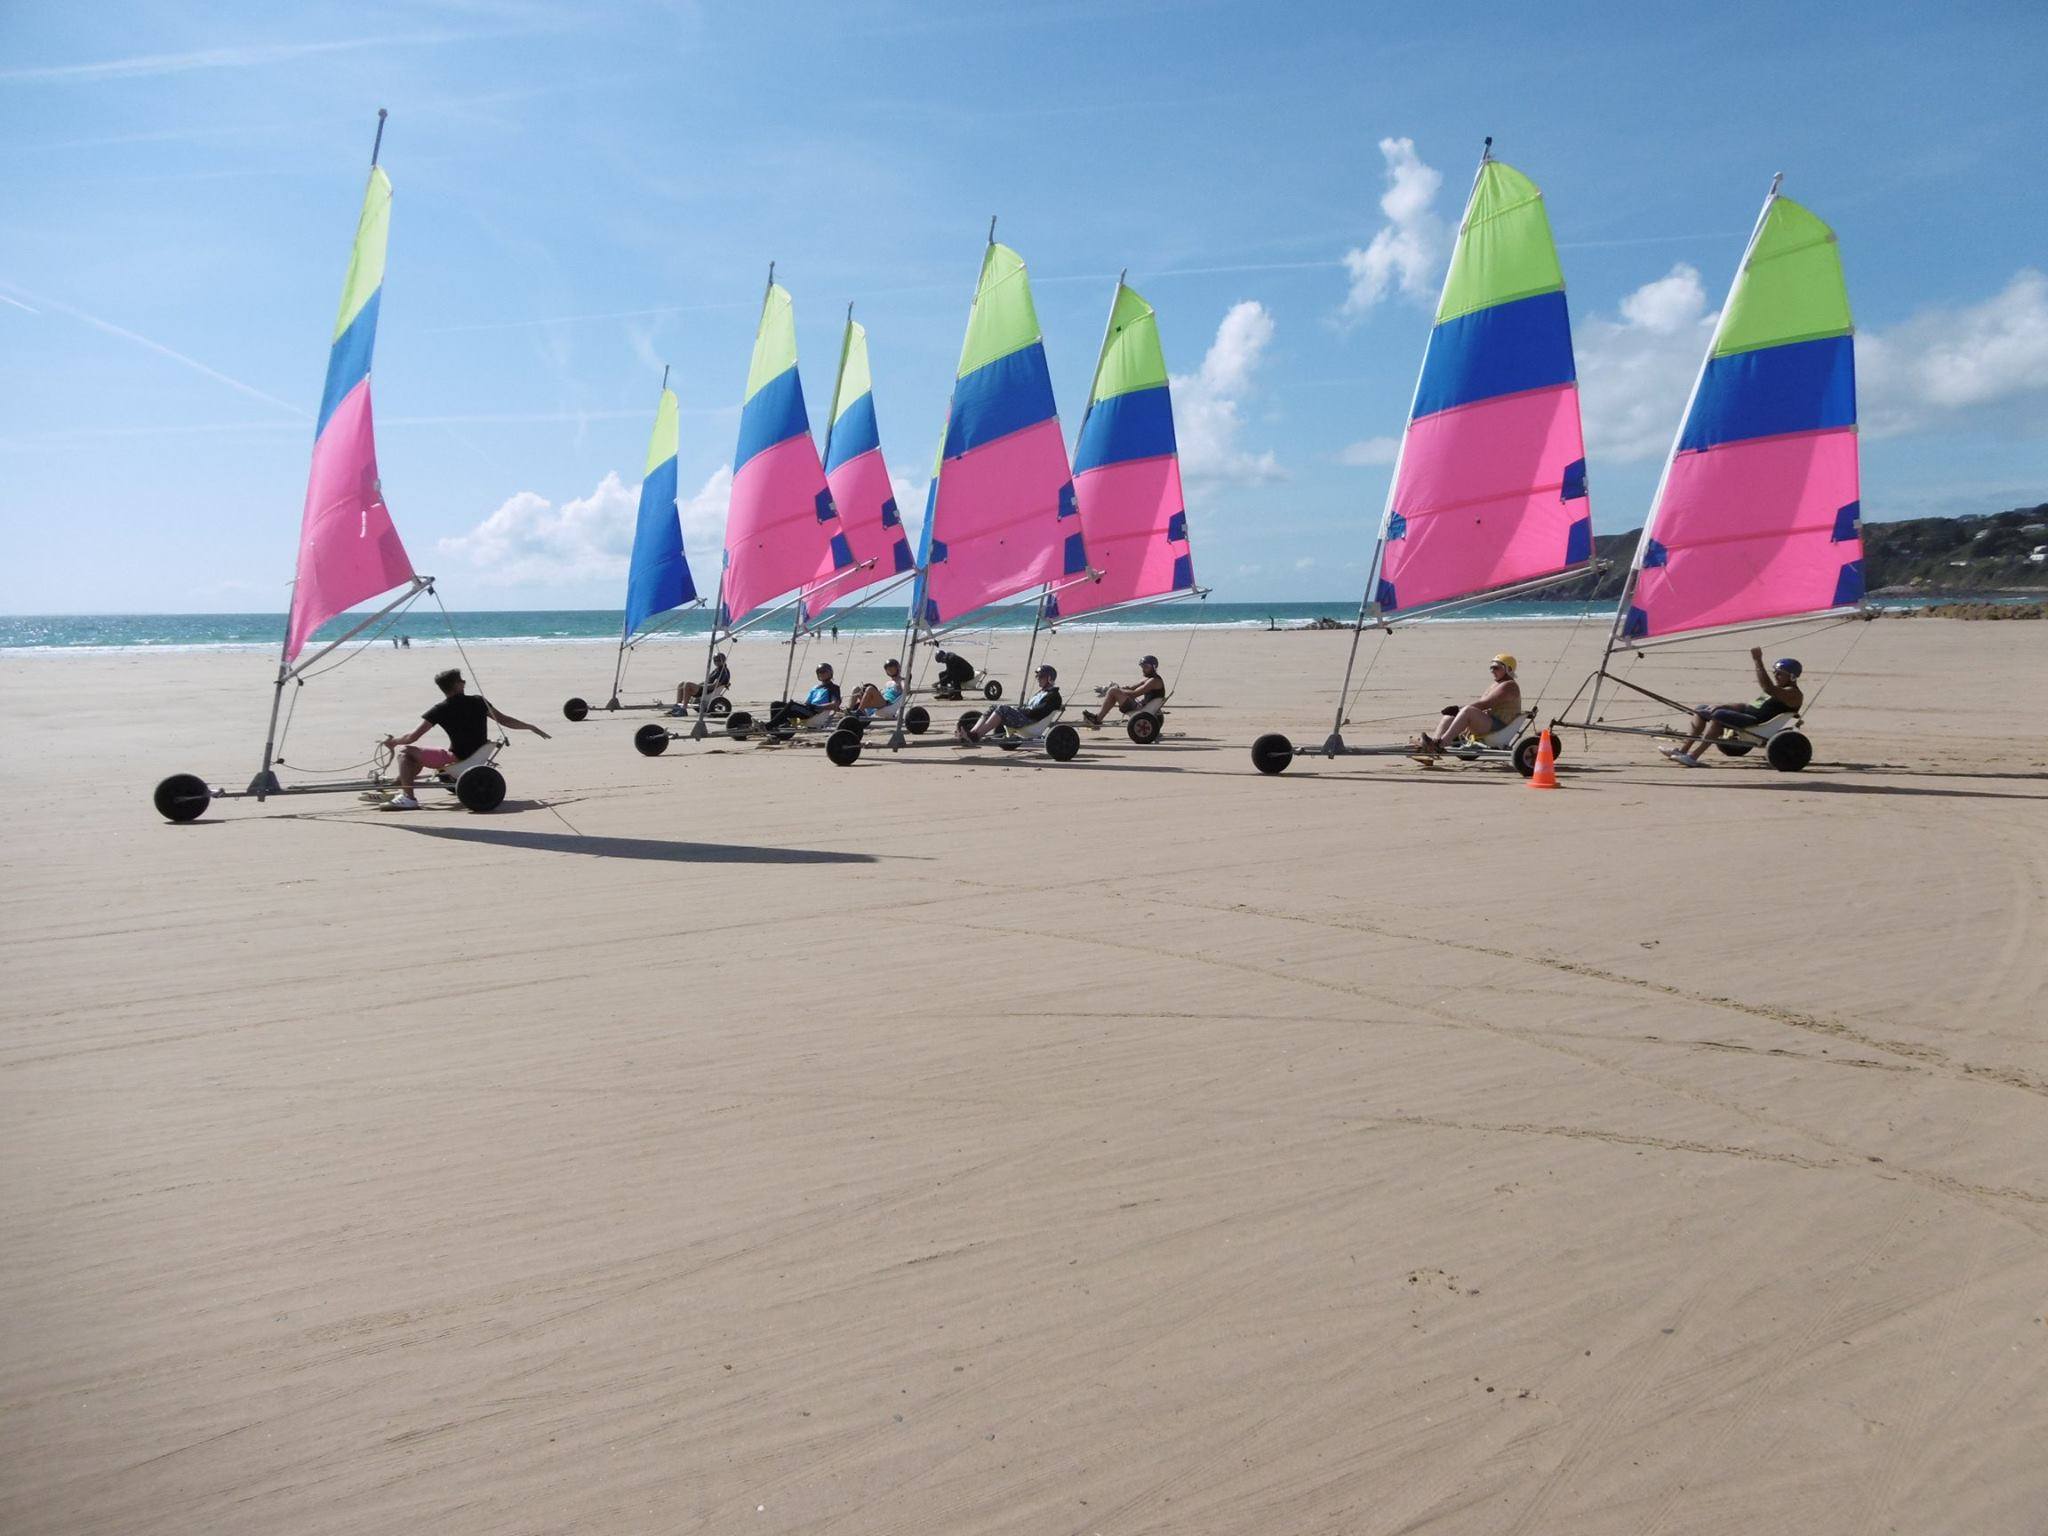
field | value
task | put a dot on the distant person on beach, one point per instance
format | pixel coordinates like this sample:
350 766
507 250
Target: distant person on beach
1781 696
1494 710
824 696
955 673
1150 685
1041 705
689 693
835 631
466 717
890 691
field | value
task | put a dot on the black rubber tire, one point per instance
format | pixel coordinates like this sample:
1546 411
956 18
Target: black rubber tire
575 709
1789 751
992 689
917 720
718 709
1061 743
738 723
843 747
1143 729
651 740
970 720
1735 748
481 789
182 797
1272 753
1525 755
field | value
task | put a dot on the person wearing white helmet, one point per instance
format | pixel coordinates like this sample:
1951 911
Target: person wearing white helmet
1494 710
1781 696
1150 685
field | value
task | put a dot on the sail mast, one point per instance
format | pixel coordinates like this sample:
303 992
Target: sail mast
1335 742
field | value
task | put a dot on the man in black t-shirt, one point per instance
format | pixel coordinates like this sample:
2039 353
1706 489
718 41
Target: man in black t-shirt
466 717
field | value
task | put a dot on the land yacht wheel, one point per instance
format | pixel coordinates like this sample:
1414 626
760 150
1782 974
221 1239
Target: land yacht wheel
575 709
481 789
1272 753
182 797
651 740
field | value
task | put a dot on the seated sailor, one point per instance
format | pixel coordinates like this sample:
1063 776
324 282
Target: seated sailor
466 717
1150 685
719 677
869 697
1042 705
1780 696
823 697
1494 710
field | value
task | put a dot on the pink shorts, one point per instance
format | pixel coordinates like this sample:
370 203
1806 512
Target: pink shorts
435 757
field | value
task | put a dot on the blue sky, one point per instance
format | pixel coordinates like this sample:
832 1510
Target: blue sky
585 193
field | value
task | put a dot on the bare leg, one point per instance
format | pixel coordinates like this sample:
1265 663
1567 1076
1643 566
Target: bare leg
408 770
1471 718
1691 746
688 691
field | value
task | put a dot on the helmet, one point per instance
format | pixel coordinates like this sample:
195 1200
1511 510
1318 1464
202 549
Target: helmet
1505 660
1787 664
1046 670
1148 661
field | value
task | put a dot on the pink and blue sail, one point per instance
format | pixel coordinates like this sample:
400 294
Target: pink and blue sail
783 527
1004 517
349 549
1759 516
858 478
1490 490
658 574
1127 472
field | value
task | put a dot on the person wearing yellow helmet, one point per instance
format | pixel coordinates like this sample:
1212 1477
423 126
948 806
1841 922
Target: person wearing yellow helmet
1493 710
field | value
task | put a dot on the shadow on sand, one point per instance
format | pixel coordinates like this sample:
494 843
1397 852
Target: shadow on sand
657 849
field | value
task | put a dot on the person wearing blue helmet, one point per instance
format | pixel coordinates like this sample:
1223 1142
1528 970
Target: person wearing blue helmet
1781 696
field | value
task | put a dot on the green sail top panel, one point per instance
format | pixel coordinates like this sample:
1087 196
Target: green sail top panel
667 438
1505 251
1131 358
854 378
366 261
1790 289
1003 320
774 342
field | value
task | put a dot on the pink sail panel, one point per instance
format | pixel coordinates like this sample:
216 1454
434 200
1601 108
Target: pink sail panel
1003 557
1124 507
1482 499
776 525
1751 530
874 531
348 549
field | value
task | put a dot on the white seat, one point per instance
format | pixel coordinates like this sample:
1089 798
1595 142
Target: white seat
483 756
1768 728
1505 737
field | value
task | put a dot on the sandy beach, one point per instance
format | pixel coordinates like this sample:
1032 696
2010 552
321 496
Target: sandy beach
971 1143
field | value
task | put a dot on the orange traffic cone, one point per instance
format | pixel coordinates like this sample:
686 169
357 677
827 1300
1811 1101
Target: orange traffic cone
1545 776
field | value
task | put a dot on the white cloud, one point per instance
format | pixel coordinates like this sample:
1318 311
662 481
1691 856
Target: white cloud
1406 256
529 541
1369 452
1207 404
1946 360
1635 370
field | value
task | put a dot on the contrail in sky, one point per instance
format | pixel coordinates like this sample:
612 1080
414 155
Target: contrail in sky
157 347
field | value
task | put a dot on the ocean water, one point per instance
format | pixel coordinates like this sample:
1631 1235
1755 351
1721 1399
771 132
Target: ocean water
600 626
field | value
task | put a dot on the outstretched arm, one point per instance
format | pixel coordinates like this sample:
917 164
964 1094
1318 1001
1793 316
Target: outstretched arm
410 737
515 725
